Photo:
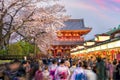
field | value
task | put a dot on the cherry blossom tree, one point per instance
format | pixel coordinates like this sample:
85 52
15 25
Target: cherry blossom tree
35 20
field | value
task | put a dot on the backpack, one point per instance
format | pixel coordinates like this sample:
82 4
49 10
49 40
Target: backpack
81 76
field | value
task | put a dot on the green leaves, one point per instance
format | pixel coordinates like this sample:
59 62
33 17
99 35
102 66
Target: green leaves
2 51
26 47
20 48
15 49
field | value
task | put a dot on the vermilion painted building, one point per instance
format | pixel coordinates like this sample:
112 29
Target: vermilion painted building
68 37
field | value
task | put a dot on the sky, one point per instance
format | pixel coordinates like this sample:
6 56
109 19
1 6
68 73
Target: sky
100 15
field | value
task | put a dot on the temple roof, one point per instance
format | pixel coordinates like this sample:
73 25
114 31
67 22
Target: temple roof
74 24
67 42
115 29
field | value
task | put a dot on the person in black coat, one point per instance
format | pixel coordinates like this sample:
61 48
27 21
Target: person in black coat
118 71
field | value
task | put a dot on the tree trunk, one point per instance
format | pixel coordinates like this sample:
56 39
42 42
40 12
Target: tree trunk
6 43
1 35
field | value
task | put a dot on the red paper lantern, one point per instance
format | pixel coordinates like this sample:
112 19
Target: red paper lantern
112 51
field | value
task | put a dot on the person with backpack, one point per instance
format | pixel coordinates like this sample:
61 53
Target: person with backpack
62 72
79 73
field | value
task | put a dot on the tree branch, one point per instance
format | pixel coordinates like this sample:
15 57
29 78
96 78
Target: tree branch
2 5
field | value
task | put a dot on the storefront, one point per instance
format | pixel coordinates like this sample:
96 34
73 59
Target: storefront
109 49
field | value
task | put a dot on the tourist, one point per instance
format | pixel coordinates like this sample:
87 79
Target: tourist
24 69
27 69
101 69
90 74
46 74
73 67
52 69
12 72
62 72
90 61
118 71
110 68
114 69
79 73
67 63
38 74
34 68
107 67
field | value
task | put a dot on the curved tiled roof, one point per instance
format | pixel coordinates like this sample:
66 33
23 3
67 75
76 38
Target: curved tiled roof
115 29
74 24
67 42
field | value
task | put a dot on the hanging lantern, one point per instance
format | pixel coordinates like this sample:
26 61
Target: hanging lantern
104 53
69 34
59 50
59 34
77 34
66 34
112 51
74 34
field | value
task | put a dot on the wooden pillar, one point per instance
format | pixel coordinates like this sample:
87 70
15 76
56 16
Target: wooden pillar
62 51
55 53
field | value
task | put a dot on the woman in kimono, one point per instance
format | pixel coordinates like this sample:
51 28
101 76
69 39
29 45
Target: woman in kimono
52 69
79 73
62 72
38 74
46 74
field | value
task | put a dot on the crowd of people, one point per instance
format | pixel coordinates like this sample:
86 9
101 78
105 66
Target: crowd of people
63 69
